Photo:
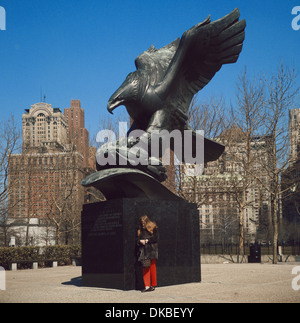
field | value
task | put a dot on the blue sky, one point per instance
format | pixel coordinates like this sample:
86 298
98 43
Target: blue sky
84 49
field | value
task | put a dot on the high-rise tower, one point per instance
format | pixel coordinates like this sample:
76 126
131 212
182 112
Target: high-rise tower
44 127
78 135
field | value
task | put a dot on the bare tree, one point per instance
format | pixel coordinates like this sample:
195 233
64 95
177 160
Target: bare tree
281 95
9 144
64 195
210 117
241 153
208 190
256 155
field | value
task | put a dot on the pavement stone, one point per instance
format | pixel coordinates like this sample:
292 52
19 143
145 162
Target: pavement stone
221 283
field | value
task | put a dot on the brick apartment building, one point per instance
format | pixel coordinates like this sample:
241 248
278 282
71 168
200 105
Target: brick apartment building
291 177
45 192
220 187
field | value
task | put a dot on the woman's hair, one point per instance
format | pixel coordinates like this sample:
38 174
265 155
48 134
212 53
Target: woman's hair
149 225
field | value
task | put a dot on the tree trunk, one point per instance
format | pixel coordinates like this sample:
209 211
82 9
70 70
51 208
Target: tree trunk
275 228
241 236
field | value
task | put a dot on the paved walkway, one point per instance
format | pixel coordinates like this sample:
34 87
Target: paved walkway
229 283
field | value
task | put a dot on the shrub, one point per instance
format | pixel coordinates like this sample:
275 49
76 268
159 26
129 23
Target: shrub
62 254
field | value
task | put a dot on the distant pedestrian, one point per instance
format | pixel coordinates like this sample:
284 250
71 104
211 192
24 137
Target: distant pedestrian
147 240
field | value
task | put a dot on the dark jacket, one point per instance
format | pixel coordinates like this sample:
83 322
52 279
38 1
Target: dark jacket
150 250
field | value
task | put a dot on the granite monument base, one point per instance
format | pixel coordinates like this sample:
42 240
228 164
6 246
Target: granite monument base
109 251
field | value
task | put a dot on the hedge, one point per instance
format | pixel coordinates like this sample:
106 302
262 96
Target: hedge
62 254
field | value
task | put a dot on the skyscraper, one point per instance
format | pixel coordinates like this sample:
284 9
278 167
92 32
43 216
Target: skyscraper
44 127
78 135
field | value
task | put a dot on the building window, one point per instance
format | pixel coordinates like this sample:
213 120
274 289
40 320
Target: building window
41 126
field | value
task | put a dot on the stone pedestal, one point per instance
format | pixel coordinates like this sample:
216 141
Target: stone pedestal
109 249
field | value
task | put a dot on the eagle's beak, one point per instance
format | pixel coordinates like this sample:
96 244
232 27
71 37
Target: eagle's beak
123 93
112 105
116 100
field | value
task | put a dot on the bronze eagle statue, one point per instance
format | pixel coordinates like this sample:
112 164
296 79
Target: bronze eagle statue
158 94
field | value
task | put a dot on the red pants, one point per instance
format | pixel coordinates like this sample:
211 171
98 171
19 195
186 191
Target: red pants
149 274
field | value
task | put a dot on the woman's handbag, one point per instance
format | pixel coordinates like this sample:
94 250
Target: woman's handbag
146 262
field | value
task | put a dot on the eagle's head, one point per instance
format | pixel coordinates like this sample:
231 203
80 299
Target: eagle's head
126 93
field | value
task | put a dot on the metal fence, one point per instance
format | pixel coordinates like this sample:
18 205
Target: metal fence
233 249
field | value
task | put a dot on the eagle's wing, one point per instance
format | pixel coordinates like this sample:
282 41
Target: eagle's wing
201 53
156 61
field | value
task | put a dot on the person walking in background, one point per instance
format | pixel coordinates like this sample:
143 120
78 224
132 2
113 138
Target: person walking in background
147 240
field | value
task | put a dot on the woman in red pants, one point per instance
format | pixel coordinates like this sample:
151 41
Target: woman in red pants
148 246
